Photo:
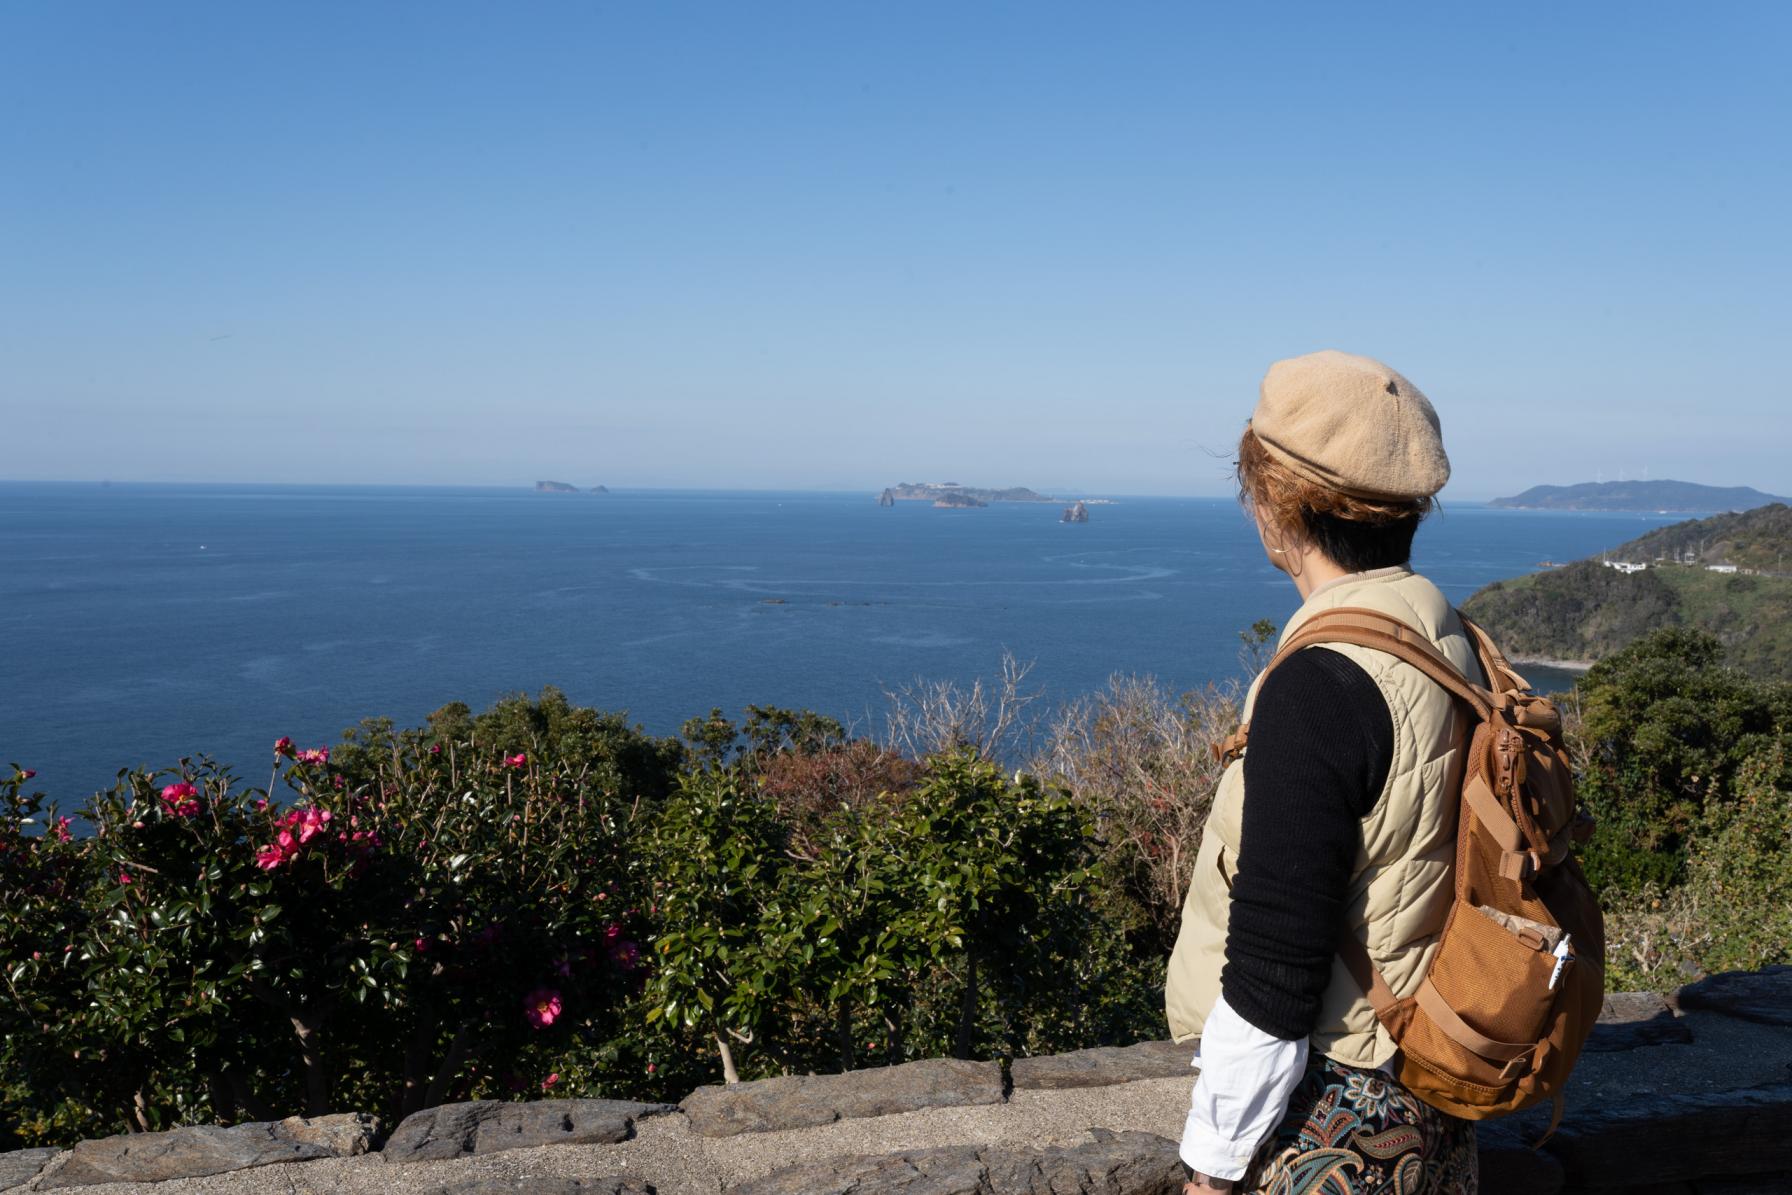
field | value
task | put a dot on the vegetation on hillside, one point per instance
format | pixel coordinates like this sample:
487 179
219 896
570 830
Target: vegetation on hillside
1687 764
1759 539
1585 611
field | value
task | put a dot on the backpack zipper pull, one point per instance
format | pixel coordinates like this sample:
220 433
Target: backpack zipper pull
1563 958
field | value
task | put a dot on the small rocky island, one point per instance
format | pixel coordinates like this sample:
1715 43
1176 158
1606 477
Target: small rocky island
1076 512
952 494
561 487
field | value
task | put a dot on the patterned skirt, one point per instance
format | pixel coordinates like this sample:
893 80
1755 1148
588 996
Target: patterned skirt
1353 1132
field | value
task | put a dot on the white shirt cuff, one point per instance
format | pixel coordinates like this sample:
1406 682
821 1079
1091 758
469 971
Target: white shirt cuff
1242 1093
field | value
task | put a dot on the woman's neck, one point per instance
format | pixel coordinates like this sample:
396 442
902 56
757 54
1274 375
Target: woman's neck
1316 569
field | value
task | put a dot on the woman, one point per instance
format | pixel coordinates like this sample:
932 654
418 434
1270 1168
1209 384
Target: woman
1349 824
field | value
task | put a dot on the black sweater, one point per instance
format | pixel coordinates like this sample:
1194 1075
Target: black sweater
1321 744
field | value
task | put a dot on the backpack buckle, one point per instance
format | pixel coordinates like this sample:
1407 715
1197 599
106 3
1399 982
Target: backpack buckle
1518 865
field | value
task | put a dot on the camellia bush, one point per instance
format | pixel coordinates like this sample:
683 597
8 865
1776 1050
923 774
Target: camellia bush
535 900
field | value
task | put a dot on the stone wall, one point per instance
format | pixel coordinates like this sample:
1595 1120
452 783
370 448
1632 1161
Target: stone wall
1684 1094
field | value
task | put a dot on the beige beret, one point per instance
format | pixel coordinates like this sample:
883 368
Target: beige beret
1352 424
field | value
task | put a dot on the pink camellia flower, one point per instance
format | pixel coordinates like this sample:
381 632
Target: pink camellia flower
625 954
124 877
550 1081
269 857
181 800
60 830
542 1007
435 748
314 755
651 1068
516 761
421 945
27 774
283 746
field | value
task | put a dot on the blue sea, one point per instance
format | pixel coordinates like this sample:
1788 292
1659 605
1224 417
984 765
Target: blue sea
140 623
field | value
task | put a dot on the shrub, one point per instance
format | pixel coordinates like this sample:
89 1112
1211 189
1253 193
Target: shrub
1138 759
1665 727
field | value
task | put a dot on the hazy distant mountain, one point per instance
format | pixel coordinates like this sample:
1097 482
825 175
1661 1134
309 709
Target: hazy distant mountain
1677 496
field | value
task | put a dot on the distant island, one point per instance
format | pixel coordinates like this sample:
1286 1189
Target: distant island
561 487
1678 497
951 494
1730 575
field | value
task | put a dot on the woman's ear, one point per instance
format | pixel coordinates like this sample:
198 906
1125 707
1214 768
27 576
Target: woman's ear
1287 551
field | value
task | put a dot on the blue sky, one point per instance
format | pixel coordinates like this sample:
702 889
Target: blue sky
837 245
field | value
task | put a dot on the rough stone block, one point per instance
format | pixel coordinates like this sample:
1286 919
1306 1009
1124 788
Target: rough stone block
487 1126
1633 1019
1678 1138
208 1149
1764 996
1129 1163
20 1166
1105 1065
798 1101
544 1185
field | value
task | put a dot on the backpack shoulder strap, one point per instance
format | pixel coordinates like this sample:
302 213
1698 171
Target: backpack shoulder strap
1371 628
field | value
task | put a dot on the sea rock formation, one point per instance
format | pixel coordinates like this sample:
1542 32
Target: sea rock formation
887 498
555 487
1077 512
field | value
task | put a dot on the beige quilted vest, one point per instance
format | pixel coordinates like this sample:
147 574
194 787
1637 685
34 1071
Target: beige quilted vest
1400 885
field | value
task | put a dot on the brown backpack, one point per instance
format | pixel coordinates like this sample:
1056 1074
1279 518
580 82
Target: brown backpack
1518 977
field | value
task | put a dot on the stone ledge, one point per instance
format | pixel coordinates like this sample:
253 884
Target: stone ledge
1630 1020
1763 996
1131 1163
1678 1138
1104 1066
207 1149
20 1166
488 1126
801 1101
531 1185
